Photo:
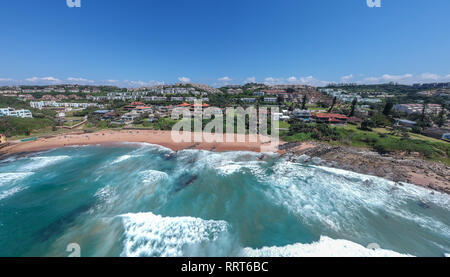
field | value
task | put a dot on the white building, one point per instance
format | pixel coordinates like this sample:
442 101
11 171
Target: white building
15 113
417 108
270 100
42 104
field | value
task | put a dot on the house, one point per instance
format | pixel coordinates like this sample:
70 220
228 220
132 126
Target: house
143 109
247 100
280 116
102 112
184 105
133 105
304 115
200 105
110 116
7 112
330 118
15 113
270 100
2 138
405 123
174 98
417 108
129 117
190 99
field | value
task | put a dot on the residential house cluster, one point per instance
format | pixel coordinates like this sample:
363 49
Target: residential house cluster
53 104
15 113
417 108
344 96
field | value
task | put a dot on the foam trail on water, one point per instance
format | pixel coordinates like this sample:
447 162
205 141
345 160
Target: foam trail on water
326 247
8 178
122 158
10 192
42 162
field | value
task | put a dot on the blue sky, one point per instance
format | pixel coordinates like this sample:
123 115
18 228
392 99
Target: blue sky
143 42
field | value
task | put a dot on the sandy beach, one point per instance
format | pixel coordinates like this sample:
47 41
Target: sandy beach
163 138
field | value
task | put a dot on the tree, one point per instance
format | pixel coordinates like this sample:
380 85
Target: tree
442 117
366 125
332 105
380 120
424 111
304 102
352 112
387 108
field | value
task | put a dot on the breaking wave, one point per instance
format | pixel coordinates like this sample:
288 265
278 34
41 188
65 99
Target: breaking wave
145 200
152 235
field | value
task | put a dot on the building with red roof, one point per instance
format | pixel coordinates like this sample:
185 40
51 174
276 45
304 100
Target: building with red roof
333 118
201 105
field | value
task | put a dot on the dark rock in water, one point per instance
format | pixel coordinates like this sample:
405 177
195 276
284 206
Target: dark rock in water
288 145
423 205
57 227
170 156
368 183
187 183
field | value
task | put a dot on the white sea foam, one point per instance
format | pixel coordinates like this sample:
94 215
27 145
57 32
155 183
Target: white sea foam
42 162
122 158
153 176
225 164
147 234
10 178
340 200
325 247
149 146
10 192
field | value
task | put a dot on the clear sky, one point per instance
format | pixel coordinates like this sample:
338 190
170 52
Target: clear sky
141 42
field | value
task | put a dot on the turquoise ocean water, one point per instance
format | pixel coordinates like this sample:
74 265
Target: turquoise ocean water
146 200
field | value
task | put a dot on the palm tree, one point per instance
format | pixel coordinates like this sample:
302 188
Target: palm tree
388 108
332 105
352 112
304 102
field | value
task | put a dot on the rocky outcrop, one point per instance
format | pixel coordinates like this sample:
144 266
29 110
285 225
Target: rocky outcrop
394 167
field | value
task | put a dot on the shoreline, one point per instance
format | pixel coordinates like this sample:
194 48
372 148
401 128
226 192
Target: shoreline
162 138
430 175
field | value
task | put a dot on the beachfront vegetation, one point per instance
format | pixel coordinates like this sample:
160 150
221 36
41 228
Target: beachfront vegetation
381 140
14 126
